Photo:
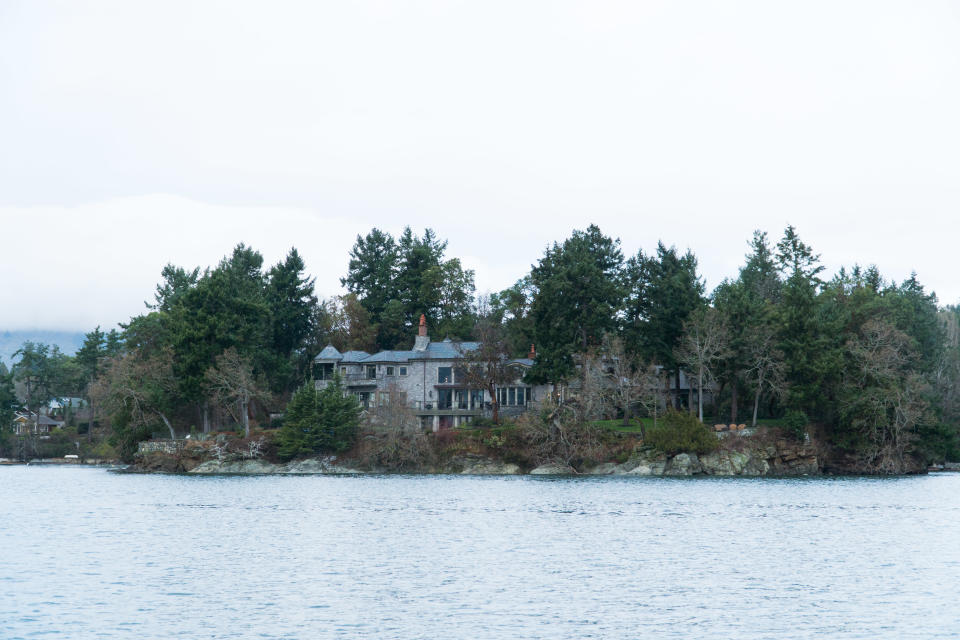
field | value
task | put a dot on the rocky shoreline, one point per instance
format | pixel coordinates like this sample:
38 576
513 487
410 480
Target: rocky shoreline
777 460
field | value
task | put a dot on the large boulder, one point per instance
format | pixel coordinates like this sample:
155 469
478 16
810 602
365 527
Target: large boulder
683 464
553 469
323 464
478 465
246 467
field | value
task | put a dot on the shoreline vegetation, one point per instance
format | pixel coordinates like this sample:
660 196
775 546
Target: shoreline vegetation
851 374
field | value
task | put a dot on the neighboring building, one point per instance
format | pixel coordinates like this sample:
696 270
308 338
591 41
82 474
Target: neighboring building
27 423
427 379
62 404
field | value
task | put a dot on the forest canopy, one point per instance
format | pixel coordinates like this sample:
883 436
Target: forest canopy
869 364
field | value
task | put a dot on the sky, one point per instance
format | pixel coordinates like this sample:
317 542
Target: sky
133 135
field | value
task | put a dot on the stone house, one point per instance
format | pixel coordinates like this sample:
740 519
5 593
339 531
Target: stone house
427 379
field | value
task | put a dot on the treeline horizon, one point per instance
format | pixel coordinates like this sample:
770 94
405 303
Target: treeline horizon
871 364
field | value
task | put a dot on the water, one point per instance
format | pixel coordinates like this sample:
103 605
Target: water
85 553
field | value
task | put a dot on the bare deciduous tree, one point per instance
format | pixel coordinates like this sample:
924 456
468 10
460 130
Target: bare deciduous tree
143 387
487 366
766 369
885 398
704 342
631 382
232 383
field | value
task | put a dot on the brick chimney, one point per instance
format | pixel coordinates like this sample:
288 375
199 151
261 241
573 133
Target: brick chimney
423 340
533 353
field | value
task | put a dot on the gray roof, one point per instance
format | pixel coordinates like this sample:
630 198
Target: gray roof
329 353
41 419
394 356
448 350
526 362
445 350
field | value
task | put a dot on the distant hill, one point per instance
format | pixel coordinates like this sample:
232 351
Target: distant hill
10 341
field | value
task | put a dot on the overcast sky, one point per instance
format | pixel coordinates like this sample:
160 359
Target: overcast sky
133 134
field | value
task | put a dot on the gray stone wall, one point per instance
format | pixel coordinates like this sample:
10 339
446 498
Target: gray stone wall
160 446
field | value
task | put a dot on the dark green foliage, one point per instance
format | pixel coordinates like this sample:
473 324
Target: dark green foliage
397 280
227 308
511 307
681 432
795 422
371 272
176 282
291 303
579 290
318 421
8 398
663 291
126 436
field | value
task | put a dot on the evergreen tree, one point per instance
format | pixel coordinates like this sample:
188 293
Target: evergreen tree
291 301
8 398
579 289
316 421
89 359
372 272
663 291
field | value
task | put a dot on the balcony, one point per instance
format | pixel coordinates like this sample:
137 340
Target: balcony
350 380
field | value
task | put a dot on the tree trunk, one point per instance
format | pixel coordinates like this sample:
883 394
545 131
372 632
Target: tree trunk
173 434
733 402
756 406
206 417
700 395
676 386
494 404
90 421
244 407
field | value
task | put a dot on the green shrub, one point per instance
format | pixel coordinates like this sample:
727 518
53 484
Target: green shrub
681 432
795 423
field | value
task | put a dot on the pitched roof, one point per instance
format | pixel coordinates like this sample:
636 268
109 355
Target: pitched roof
355 356
448 350
329 353
394 356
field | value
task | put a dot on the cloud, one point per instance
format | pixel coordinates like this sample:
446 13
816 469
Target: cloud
502 125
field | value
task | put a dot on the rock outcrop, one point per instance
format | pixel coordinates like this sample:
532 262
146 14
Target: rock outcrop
781 459
771 458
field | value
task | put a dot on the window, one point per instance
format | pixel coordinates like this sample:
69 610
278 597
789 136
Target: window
444 398
343 371
363 397
445 375
403 371
371 371
384 398
476 398
513 396
389 371
462 398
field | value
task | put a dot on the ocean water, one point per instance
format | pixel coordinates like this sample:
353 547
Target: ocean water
86 553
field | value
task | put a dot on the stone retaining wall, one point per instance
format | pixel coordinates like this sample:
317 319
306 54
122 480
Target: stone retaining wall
161 446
